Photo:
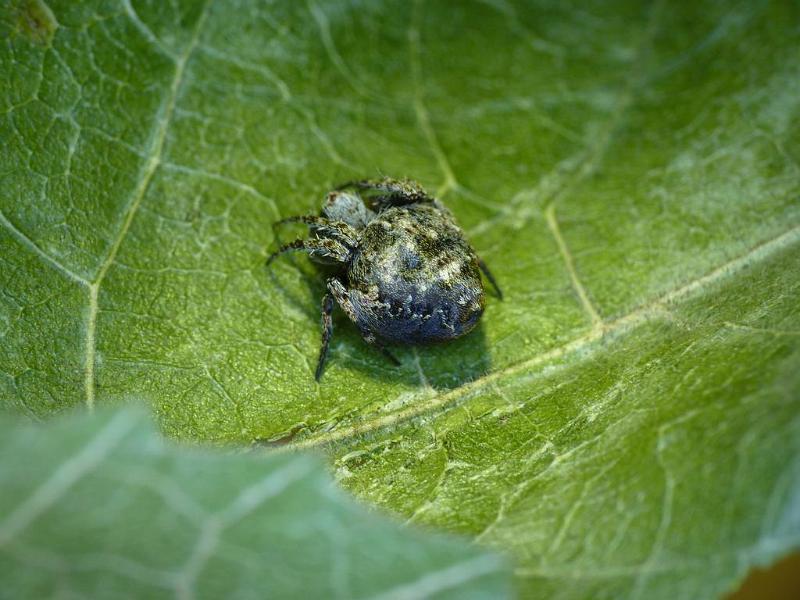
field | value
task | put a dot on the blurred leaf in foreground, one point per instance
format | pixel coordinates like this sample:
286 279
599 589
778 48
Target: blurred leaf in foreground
103 507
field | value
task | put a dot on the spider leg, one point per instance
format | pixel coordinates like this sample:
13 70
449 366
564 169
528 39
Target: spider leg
309 220
327 331
338 230
405 190
329 249
342 296
293 219
490 277
277 224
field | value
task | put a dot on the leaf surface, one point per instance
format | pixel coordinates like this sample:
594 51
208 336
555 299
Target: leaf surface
625 423
102 507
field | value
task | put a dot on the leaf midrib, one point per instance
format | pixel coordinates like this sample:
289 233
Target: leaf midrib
642 314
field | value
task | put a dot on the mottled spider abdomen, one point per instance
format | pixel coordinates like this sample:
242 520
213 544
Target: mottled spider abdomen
414 279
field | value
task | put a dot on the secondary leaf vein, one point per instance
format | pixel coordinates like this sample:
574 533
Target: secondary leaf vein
566 255
154 154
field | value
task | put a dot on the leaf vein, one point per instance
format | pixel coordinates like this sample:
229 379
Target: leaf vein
569 263
46 258
423 118
149 168
65 476
640 315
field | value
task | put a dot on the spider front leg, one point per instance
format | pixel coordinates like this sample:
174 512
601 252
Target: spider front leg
337 230
325 249
405 190
327 331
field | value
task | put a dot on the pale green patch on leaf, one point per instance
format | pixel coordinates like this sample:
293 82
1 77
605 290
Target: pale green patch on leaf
34 19
625 423
103 507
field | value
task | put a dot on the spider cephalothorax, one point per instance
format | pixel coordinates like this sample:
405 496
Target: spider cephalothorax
404 272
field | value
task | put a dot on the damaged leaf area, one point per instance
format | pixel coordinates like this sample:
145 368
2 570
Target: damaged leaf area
624 424
35 20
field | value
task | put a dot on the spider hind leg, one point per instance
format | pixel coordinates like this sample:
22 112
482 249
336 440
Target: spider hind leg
490 277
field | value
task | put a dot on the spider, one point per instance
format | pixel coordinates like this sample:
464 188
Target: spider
403 272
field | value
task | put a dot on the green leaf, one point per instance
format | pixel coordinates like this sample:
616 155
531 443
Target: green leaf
625 424
102 507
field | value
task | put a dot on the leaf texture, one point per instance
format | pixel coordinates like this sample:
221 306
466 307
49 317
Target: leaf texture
625 423
102 507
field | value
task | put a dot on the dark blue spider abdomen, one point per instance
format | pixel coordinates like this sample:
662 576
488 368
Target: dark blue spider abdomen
414 279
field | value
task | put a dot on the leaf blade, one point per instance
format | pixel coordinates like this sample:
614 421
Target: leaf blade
162 520
601 161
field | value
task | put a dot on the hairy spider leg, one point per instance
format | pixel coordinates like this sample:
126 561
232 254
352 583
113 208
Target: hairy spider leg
339 230
342 296
490 277
322 247
327 331
396 187
311 219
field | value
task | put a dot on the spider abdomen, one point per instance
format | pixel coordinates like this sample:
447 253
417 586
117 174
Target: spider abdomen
414 279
